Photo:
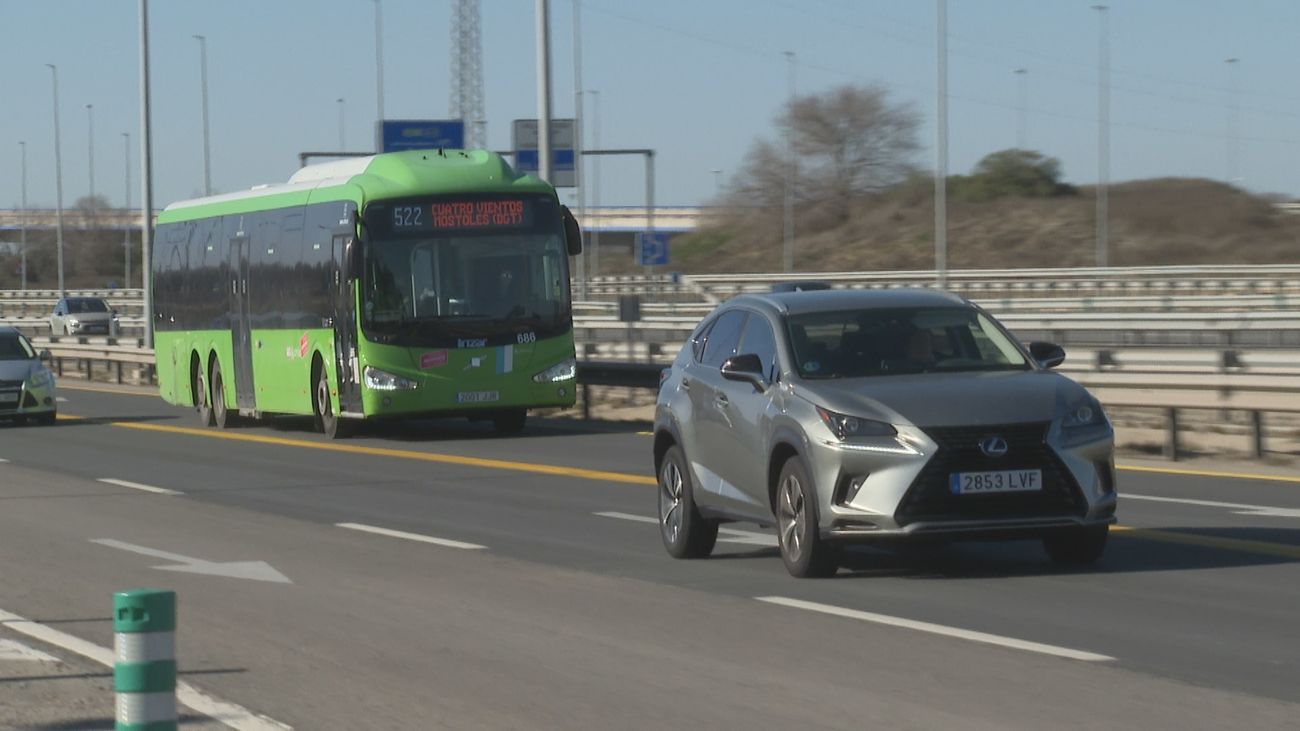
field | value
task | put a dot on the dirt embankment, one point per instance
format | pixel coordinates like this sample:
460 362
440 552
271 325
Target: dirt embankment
1152 222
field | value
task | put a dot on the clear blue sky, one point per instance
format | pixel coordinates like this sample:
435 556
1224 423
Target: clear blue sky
697 80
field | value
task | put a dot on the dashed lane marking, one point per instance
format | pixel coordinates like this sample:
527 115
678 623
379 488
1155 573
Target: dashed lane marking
1266 511
445 542
138 486
938 629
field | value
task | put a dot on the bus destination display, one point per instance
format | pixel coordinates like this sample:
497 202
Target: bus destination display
463 215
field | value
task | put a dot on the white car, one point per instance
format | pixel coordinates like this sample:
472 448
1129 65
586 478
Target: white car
83 316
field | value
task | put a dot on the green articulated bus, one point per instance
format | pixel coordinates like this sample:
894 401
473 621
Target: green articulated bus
412 284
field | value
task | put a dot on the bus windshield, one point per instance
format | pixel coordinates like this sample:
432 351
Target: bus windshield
423 286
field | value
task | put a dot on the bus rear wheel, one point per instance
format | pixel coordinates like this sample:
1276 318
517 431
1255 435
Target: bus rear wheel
221 416
202 400
510 422
327 419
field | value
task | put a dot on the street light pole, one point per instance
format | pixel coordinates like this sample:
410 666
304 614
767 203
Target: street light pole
941 152
595 181
126 206
1022 128
379 64
787 258
58 175
22 221
1234 112
544 90
1103 135
342 137
578 178
90 136
146 179
203 83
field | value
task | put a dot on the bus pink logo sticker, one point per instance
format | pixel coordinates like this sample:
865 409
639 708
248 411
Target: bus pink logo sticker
303 342
435 359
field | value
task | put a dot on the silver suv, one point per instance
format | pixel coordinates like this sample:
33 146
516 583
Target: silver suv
850 416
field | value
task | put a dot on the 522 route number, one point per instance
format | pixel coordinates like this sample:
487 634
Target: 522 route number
408 217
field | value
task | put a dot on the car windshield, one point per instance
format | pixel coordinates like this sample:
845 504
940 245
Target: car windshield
435 286
83 306
877 342
15 347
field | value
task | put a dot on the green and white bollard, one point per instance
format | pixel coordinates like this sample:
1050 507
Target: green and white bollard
144 671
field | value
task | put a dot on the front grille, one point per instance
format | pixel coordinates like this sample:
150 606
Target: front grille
6 404
6 385
930 499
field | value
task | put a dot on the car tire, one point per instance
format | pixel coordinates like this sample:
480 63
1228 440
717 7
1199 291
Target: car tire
221 416
1077 546
686 533
202 398
805 553
510 422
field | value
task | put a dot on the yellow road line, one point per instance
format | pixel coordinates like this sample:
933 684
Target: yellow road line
1196 539
64 386
497 464
1209 473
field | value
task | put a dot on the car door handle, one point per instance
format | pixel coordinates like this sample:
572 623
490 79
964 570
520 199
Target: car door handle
686 383
721 401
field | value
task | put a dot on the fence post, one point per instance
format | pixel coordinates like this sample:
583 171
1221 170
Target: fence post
1171 438
1257 433
586 402
144 668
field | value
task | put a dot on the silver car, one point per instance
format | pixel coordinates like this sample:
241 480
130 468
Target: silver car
26 385
848 416
83 316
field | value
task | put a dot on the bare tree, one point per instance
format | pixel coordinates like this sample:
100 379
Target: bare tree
850 141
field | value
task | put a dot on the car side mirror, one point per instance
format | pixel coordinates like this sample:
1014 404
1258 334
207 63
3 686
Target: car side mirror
572 233
747 368
1048 355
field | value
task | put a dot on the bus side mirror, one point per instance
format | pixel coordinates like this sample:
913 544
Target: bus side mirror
572 234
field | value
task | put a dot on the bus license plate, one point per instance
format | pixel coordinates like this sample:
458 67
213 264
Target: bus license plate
477 397
976 483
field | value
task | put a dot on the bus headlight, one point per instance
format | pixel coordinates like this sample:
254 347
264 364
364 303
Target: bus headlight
563 371
384 381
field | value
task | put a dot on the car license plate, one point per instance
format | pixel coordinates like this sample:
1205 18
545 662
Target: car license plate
976 483
8 398
477 397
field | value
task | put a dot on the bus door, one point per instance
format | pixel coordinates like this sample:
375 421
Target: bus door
240 331
345 322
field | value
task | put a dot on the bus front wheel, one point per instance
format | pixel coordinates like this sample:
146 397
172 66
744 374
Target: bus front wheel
327 419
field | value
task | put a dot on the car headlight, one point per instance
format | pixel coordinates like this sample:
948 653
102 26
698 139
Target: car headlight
562 371
1084 421
74 321
40 379
845 426
384 381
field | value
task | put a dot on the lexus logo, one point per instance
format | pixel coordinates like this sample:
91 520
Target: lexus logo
994 446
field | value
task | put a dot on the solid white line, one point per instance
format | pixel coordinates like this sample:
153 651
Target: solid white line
138 486
15 650
727 535
231 715
1238 508
3 460
938 629
410 536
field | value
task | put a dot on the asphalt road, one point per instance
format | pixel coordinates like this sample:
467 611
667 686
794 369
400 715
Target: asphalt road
522 591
